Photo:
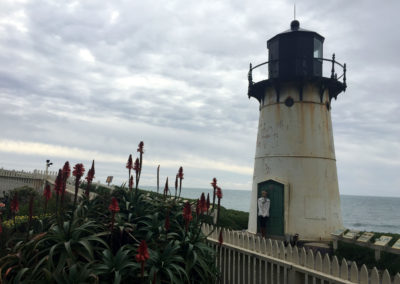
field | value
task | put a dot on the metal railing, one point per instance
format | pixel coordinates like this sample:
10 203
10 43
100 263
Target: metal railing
333 72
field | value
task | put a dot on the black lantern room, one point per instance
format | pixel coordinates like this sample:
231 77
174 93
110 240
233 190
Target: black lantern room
296 55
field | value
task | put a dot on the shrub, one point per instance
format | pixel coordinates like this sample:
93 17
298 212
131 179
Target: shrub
365 255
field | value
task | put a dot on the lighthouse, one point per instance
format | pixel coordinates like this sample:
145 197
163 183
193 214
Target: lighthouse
295 155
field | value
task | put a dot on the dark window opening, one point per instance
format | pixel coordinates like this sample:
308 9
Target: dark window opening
289 102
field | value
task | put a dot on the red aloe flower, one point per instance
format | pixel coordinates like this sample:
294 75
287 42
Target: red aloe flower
180 176
143 255
187 214
136 166
90 174
89 178
214 183
66 169
47 192
198 208
114 208
14 204
166 188
78 173
129 164
131 183
220 238
219 192
208 202
138 163
180 173
167 222
140 147
66 173
203 204
58 184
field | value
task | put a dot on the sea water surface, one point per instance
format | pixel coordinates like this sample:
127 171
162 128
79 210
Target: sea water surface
364 213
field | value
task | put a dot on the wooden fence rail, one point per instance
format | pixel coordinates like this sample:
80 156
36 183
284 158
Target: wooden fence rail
246 258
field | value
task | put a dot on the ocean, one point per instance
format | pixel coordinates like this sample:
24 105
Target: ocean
364 213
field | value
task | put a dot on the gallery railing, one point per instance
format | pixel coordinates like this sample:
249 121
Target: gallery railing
334 67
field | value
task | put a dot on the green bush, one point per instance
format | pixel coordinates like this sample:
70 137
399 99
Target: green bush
24 194
234 219
364 255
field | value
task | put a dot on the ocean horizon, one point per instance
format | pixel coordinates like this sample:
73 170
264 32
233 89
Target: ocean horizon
364 213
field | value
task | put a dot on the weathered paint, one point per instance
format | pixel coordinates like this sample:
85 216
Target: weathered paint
295 146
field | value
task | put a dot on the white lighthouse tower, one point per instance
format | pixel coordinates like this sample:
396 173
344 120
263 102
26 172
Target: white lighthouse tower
295 155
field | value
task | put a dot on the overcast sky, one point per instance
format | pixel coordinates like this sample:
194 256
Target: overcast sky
83 80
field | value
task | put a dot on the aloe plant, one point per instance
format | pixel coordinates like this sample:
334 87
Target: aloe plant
123 236
117 268
79 241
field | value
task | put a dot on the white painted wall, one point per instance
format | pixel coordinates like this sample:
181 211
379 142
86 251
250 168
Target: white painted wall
295 145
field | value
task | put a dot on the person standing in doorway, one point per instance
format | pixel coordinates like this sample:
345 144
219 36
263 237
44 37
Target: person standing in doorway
263 212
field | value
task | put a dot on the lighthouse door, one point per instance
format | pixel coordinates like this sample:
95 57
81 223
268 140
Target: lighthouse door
275 191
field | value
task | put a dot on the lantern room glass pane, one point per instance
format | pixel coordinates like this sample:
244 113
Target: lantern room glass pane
317 48
273 59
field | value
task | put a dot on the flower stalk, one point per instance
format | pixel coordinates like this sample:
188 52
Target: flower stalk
58 188
66 173
14 208
140 163
167 222
166 188
219 196
158 179
114 208
131 184
137 169
47 196
187 214
129 166
214 185
78 172
89 178
180 177
142 256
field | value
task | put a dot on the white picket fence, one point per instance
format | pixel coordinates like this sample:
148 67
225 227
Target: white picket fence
36 174
249 259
